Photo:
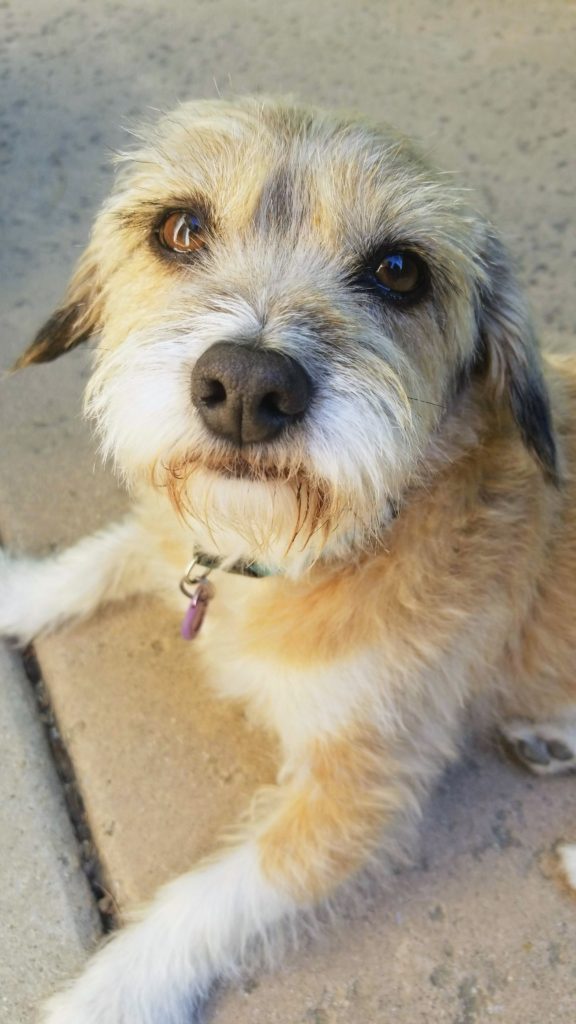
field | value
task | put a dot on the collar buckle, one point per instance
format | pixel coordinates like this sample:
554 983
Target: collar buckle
190 580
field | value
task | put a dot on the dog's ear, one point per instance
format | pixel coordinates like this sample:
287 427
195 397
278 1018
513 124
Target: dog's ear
509 351
73 322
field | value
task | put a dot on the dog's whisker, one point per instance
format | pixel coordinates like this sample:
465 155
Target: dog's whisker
425 401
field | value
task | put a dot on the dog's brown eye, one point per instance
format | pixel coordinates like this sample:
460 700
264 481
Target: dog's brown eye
400 273
182 232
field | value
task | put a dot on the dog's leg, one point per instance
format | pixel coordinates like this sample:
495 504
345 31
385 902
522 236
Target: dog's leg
37 595
546 747
309 834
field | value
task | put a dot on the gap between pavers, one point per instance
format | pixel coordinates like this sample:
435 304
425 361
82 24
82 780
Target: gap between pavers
48 919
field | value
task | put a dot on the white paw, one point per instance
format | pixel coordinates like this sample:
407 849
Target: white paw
546 748
15 598
567 855
36 595
127 983
160 969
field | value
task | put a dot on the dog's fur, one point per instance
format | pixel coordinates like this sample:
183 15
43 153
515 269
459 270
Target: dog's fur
419 523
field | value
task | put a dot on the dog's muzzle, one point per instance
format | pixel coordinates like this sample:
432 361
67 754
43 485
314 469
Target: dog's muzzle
249 395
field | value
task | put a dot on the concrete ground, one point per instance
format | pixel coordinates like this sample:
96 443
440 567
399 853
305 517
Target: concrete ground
47 915
478 930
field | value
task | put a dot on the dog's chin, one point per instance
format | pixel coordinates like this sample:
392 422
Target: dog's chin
242 506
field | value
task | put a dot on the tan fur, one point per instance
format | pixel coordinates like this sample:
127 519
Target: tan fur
447 553
333 818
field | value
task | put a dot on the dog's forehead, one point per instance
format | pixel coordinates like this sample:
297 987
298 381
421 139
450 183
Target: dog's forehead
247 155
202 140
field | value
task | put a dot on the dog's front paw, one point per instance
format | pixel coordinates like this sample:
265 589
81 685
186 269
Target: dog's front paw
29 597
129 981
73 1008
13 598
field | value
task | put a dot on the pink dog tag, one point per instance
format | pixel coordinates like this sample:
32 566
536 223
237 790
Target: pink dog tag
197 608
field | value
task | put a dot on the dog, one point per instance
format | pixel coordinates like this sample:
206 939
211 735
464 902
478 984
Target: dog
353 474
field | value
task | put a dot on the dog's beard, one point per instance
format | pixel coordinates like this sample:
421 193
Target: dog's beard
245 506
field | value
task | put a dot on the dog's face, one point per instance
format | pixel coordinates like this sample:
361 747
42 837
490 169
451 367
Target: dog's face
289 305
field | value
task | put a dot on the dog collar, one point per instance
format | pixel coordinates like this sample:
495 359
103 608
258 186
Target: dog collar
200 590
239 568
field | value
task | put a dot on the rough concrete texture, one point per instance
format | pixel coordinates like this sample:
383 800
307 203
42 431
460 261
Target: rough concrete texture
479 930
47 915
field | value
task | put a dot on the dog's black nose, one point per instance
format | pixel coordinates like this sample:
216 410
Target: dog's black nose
248 395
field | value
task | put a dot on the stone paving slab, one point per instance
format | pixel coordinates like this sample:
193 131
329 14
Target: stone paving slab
47 915
478 931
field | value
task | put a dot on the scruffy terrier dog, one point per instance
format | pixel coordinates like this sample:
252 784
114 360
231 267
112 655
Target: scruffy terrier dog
318 376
